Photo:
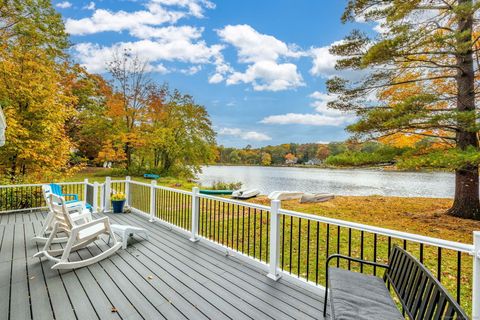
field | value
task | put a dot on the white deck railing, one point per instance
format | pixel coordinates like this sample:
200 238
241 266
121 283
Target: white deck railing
285 243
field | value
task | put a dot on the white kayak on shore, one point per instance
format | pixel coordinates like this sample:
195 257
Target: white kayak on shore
245 193
316 197
285 195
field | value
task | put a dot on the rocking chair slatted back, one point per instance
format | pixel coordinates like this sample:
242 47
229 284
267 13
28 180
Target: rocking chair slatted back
60 210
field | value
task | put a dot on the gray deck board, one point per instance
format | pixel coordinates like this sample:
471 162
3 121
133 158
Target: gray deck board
261 300
168 277
38 291
252 280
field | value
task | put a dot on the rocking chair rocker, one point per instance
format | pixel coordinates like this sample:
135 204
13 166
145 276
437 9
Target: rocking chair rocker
79 236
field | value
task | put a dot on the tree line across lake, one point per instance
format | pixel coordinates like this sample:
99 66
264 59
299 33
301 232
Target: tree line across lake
337 154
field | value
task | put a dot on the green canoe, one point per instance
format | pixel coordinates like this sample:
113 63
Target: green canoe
216 192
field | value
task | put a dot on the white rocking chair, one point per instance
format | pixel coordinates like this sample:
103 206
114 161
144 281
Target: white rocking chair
79 236
78 212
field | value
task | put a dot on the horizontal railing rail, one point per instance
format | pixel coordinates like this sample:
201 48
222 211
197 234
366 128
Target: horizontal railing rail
288 243
458 246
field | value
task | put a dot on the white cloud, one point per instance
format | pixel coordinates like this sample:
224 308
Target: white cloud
253 46
136 22
154 42
192 70
90 6
64 5
262 53
170 33
321 101
268 75
159 68
95 57
104 20
310 119
195 7
323 116
244 135
256 136
230 132
216 78
323 61
323 65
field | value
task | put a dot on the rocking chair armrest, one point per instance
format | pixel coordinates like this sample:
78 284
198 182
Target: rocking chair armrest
75 196
103 220
81 216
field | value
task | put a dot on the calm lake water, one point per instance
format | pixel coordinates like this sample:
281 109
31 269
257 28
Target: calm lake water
337 181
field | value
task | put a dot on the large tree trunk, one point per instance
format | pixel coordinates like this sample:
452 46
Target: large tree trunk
128 154
466 203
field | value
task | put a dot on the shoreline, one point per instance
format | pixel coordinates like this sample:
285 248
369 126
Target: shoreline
371 168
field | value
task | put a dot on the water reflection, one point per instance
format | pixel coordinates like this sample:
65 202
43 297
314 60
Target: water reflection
337 181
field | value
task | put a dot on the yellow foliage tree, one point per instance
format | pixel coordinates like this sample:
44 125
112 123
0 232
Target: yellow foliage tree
33 92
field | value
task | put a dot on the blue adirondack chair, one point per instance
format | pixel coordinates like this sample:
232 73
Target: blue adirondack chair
57 190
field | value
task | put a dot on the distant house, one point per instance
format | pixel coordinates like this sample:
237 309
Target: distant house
313 162
292 160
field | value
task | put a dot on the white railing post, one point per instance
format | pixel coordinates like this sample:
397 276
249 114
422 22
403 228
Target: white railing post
476 276
274 240
108 192
195 213
95 197
127 190
85 187
152 200
102 197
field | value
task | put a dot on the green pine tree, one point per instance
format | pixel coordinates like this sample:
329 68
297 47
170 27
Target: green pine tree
429 44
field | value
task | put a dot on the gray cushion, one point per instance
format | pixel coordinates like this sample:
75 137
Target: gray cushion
359 296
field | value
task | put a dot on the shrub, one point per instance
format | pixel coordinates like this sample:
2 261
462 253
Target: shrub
219 185
385 154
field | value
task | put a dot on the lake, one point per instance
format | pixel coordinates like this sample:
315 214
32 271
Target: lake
358 182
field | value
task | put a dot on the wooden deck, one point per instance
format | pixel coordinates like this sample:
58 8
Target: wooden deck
168 277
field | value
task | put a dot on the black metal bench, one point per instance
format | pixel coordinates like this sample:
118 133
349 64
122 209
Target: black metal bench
359 296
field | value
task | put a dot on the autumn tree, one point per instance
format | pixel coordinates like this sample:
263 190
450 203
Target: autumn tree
91 128
290 158
131 83
191 134
322 152
266 159
429 43
33 92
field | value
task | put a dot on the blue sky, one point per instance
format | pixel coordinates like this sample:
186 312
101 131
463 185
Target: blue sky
259 67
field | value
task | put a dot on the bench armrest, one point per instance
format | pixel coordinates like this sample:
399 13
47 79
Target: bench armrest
370 263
